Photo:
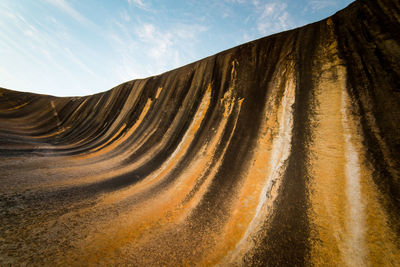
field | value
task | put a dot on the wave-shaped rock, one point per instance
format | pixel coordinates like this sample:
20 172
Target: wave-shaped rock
284 151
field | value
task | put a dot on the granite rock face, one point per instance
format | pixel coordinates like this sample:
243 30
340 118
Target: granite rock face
284 151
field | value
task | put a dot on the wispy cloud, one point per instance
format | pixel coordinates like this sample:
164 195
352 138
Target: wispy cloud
317 5
79 62
236 1
273 9
145 46
68 9
139 4
164 45
125 16
273 17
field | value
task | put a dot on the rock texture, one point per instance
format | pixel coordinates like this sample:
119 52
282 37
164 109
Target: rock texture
284 151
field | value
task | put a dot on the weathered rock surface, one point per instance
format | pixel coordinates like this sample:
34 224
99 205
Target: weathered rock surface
284 151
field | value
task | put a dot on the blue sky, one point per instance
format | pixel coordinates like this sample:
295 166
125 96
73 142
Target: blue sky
73 47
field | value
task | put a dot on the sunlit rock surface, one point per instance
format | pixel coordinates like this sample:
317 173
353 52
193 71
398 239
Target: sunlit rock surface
284 151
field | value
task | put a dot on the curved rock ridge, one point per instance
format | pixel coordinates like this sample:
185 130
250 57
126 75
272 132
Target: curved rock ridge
284 151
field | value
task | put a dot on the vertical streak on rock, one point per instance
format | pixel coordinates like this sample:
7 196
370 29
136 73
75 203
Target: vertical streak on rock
55 113
356 253
368 45
265 179
327 183
287 240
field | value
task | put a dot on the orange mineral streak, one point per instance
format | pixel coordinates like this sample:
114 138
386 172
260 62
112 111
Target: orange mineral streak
152 213
208 154
196 167
175 157
350 224
328 163
253 205
59 131
115 160
169 206
158 92
328 170
19 106
110 140
110 145
127 106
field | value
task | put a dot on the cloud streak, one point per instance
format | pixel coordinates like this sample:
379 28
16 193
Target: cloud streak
145 46
273 17
69 10
139 4
317 5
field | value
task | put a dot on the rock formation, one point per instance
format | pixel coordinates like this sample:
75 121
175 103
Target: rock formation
284 151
